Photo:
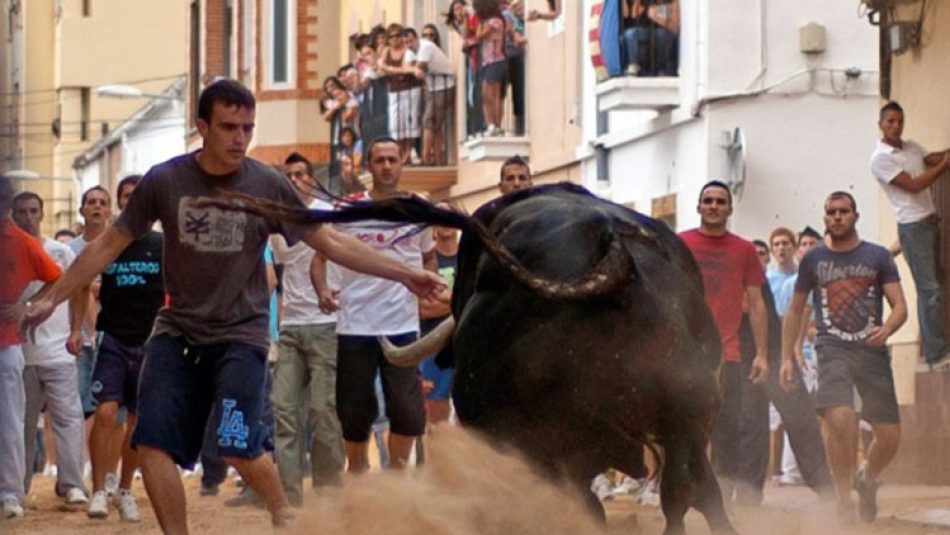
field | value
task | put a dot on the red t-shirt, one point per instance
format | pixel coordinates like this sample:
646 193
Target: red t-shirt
22 260
728 265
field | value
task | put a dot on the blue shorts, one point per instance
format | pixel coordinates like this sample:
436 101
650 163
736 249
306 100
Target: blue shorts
440 379
181 384
85 364
116 376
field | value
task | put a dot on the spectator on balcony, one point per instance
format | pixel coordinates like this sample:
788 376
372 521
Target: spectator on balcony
397 64
651 36
493 70
351 146
378 39
514 50
350 78
553 12
464 22
374 99
340 108
435 67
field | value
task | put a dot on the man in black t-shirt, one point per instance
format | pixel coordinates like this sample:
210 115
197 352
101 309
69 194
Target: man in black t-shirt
131 293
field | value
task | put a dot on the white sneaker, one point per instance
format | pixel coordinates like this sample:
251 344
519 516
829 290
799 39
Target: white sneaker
49 470
128 509
75 496
98 505
111 484
12 508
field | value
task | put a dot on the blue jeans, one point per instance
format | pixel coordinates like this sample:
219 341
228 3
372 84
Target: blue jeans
653 50
919 241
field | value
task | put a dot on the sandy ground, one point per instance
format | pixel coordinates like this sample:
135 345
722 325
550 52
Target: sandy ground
469 488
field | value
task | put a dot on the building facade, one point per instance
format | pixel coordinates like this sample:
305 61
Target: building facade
60 52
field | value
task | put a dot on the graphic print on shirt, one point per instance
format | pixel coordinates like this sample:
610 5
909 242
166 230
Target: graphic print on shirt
133 273
848 300
210 230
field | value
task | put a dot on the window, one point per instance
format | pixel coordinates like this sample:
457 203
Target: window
194 73
86 8
84 111
280 42
228 37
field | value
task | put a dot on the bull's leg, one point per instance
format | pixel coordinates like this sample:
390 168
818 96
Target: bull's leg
708 497
675 487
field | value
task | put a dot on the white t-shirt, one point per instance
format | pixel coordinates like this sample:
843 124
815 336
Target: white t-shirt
371 306
300 303
52 334
886 163
439 71
77 244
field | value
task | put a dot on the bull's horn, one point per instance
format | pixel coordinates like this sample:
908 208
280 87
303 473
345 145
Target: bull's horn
427 346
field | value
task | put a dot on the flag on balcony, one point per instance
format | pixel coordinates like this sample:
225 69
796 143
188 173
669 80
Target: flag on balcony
604 38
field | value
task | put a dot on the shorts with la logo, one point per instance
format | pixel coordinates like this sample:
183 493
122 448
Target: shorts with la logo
183 384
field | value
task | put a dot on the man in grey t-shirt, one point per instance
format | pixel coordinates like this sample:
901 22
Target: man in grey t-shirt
847 279
207 354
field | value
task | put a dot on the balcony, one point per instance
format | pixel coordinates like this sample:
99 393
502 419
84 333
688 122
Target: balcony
497 148
627 93
430 180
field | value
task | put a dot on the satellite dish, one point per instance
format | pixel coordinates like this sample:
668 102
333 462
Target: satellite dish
735 162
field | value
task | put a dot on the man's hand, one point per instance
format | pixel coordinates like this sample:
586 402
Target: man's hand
760 370
34 314
74 342
786 375
425 284
878 337
328 301
12 313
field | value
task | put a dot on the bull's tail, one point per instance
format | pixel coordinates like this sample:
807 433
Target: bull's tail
614 269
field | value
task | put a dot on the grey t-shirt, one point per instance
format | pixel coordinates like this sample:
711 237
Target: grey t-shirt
213 259
847 289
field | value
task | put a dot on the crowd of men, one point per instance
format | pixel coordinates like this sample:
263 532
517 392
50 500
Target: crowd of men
163 343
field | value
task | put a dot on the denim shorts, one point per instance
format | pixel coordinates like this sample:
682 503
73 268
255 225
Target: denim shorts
182 384
116 376
85 364
842 369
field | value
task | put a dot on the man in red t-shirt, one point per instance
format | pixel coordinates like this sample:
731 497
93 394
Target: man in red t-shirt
22 260
732 278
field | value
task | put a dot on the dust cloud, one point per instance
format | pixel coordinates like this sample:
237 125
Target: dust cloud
466 487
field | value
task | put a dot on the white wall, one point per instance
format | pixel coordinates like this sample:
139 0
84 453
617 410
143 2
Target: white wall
158 138
811 133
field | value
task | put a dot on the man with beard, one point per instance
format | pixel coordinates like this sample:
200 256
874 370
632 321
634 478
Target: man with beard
847 278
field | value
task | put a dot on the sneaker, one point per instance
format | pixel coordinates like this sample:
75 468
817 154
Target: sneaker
75 496
128 509
867 496
50 470
208 489
786 480
98 505
12 508
943 363
111 484
245 497
601 487
648 494
633 69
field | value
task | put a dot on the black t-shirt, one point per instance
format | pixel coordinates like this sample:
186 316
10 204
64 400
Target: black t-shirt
132 291
447 266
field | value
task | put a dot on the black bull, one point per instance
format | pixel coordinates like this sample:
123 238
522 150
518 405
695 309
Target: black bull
582 335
